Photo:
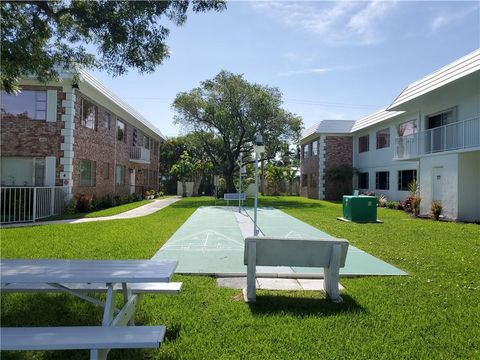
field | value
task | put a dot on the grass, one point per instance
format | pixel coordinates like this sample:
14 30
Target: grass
114 210
432 314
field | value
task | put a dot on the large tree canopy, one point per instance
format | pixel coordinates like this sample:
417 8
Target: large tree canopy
226 113
37 37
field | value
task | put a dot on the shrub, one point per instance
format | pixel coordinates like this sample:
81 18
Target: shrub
84 202
436 209
392 204
416 205
71 207
382 201
159 194
105 202
399 205
407 203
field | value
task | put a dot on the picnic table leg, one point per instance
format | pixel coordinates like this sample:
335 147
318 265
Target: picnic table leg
331 276
251 290
127 294
101 354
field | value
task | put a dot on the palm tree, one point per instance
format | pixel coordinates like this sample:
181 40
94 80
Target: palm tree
290 175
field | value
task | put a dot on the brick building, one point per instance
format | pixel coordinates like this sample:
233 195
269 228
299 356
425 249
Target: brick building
79 135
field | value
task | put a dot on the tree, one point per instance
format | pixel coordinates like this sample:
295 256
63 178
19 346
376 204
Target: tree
290 175
183 169
341 178
226 113
274 174
38 37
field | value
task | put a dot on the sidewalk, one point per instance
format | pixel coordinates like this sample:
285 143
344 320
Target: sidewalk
143 210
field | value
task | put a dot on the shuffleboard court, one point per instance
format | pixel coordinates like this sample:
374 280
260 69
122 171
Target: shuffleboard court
211 242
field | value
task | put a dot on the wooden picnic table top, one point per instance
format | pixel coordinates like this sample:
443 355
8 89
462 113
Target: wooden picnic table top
85 271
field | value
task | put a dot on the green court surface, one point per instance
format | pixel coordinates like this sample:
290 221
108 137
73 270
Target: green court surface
211 242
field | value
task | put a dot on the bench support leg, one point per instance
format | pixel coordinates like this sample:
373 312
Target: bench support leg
251 291
330 282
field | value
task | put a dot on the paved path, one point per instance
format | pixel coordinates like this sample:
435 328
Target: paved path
143 210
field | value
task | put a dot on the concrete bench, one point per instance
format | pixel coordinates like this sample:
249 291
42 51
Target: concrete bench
274 251
234 197
172 288
94 338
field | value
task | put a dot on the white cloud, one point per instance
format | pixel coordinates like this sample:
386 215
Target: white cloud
339 22
305 71
444 19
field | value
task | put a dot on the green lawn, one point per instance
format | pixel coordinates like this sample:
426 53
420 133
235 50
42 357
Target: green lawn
432 314
114 210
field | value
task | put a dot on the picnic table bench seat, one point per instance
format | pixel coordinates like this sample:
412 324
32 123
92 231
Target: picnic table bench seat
81 337
172 288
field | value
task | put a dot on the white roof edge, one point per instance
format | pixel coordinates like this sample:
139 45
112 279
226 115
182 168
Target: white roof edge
455 70
91 81
374 118
337 127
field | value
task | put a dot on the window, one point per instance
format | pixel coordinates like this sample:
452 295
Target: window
39 171
383 138
28 105
106 170
442 118
363 180
146 142
120 175
89 114
22 171
145 177
121 136
315 148
382 180
304 152
106 120
363 144
87 173
405 177
407 128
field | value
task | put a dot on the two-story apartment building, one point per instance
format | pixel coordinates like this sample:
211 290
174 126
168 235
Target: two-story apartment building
79 135
430 133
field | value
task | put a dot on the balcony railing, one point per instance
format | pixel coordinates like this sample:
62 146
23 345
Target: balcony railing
460 135
139 154
24 204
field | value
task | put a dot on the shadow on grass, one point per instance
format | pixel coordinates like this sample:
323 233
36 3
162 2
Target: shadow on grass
300 307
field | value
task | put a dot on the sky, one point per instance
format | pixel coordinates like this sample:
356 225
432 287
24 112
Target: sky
331 60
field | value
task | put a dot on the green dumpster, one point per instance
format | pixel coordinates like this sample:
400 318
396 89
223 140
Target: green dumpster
360 208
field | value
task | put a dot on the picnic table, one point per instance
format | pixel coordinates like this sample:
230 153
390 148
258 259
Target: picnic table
78 278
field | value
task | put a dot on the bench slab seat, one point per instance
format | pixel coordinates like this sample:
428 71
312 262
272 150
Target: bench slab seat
136 288
81 337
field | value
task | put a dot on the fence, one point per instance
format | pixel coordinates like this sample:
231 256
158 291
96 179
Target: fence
24 204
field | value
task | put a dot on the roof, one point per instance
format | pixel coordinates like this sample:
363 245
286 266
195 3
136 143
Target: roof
466 65
112 97
329 127
374 118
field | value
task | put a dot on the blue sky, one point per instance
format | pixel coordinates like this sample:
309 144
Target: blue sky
331 60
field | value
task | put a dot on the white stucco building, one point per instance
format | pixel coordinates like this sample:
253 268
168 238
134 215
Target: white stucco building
430 132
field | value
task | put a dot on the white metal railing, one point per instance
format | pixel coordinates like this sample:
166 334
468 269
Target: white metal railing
139 154
30 203
460 135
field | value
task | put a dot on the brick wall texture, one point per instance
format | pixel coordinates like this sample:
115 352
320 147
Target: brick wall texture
338 151
33 138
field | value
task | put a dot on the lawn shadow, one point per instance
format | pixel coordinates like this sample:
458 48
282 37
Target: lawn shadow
300 306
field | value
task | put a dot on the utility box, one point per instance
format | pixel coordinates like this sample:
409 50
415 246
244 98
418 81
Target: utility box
360 208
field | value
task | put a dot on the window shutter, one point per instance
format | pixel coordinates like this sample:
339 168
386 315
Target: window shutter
52 105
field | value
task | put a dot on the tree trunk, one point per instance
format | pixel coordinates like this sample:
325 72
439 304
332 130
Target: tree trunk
230 183
197 181
184 188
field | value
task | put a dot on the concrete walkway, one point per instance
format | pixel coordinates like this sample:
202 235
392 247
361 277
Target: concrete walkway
140 211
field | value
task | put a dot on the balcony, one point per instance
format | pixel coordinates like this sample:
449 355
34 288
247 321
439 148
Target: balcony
139 154
457 136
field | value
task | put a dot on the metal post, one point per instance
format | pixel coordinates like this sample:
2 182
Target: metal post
240 181
34 217
255 228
